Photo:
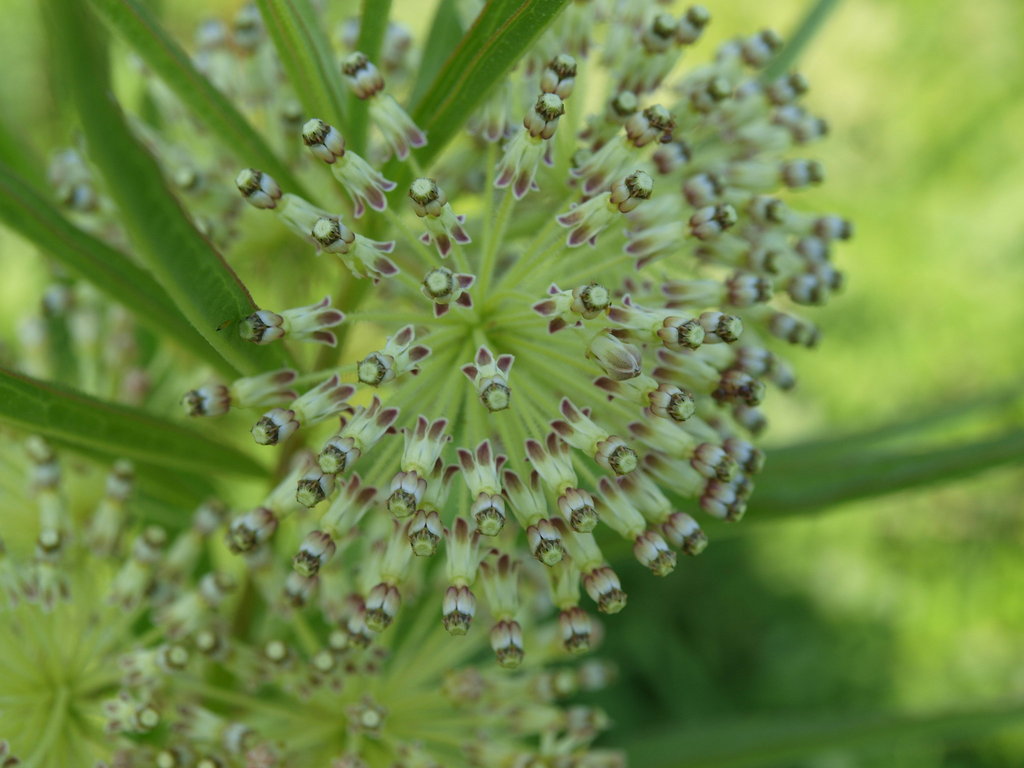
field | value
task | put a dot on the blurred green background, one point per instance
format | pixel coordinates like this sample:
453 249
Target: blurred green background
885 632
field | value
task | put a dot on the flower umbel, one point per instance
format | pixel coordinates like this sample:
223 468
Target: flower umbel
641 269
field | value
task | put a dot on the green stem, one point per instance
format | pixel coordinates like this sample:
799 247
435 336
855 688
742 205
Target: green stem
568 382
250 703
495 234
54 729
315 377
591 271
410 238
490 170
534 254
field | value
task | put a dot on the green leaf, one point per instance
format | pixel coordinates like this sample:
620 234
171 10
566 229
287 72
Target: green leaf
307 58
442 40
16 152
911 428
810 25
138 27
27 212
112 430
501 34
781 743
161 493
183 261
858 474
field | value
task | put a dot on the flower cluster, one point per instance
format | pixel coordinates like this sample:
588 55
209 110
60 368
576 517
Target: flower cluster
216 679
617 294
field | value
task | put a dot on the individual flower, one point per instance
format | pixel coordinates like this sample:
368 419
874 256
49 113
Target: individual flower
433 209
300 324
363 184
525 150
363 257
397 128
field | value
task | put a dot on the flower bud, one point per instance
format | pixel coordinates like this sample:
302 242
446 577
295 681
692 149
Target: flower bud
711 221
576 628
251 530
316 551
362 76
577 506
545 542
458 610
507 642
652 552
685 534
719 327
314 487
431 205
602 584
489 375
258 188
425 531
559 76
381 606
617 359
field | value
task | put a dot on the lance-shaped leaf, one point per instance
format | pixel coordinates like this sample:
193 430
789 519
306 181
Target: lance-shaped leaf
305 52
501 34
33 217
442 40
854 475
116 431
182 260
136 25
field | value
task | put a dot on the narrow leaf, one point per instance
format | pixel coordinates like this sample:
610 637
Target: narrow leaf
859 475
182 260
27 212
911 428
159 489
307 58
112 430
801 37
773 743
137 26
442 40
16 152
501 34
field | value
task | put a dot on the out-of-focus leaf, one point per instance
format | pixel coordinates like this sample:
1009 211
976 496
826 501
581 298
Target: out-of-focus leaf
801 37
16 152
776 743
182 260
33 217
857 474
442 40
501 34
305 52
113 430
910 428
138 27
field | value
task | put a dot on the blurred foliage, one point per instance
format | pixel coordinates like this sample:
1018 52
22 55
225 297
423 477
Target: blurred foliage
887 633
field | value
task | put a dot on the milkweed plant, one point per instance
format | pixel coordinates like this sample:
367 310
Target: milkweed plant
546 335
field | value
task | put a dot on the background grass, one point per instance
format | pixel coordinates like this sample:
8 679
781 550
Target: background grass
910 604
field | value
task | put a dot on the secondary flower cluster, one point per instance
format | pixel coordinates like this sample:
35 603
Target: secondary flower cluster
557 336
81 684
